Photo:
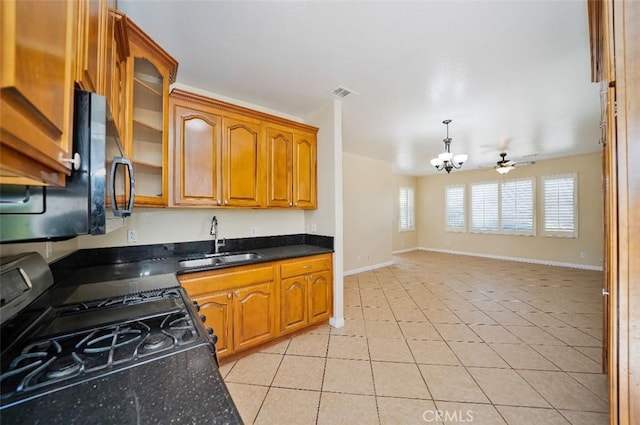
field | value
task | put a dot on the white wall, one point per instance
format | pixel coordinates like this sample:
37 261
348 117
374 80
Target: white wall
368 212
164 225
552 250
328 217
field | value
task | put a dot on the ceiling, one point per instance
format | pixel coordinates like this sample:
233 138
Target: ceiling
513 76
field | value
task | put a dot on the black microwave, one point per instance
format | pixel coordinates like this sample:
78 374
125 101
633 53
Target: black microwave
98 194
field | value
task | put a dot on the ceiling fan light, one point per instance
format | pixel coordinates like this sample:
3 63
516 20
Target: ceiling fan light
460 158
504 170
436 162
445 156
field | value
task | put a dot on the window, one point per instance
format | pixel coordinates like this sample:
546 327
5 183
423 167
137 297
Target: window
484 207
516 209
407 210
559 195
455 208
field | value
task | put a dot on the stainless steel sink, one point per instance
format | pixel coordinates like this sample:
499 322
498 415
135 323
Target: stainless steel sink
246 256
201 262
218 259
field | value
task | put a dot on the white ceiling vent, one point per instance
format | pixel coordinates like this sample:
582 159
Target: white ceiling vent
341 92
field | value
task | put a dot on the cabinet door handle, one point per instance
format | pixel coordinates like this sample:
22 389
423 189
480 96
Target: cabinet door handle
229 295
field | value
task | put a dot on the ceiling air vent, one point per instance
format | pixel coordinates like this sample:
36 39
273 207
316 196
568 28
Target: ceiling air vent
342 92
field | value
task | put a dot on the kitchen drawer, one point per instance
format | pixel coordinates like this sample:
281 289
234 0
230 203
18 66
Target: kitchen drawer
217 280
306 266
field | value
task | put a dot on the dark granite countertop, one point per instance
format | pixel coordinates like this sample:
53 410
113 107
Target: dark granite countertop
136 264
183 388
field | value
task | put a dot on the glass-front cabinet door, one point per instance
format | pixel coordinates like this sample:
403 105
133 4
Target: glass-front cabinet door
151 71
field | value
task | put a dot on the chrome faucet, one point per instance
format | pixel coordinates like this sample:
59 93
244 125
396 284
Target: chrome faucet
214 232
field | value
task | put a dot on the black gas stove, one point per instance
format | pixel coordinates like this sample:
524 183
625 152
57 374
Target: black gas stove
48 348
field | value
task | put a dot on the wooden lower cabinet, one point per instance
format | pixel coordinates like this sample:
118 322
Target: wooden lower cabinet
320 296
305 292
217 309
250 305
293 304
254 315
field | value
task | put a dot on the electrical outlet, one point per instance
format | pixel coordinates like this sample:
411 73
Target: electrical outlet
314 227
359 257
132 235
255 231
48 249
583 254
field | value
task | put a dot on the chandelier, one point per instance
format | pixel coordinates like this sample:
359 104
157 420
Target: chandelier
446 160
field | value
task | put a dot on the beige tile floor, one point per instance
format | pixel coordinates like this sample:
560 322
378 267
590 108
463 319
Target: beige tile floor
477 341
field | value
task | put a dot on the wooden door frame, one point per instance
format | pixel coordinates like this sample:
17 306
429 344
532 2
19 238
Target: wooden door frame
624 345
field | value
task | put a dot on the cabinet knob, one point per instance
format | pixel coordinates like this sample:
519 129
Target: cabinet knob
75 161
290 204
237 293
295 204
217 201
229 295
226 202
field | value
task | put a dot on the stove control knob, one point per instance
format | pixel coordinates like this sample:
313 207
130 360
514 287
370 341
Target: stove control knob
210 331
196 305
203 317
214 338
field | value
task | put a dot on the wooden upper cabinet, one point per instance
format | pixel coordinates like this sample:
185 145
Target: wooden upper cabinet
291 168
115 75
279 167
304 170
150 70
92 39
196 140
242 163
37 57
236 157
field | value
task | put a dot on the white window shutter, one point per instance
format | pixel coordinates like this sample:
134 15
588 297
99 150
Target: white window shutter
517 206
484 207
560 200
455 213
406 209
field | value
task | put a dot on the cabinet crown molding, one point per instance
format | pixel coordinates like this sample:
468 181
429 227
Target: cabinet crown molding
147 43
179 94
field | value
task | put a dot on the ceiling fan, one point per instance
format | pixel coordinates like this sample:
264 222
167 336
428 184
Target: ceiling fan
505 165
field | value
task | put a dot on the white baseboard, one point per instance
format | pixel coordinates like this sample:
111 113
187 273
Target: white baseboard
336 322
518 259
402 251
368 268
